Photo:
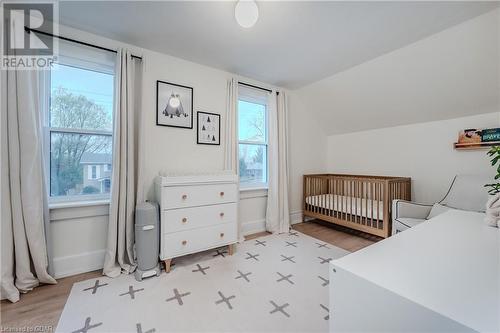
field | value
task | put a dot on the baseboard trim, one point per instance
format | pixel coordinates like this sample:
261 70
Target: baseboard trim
253 227
79 263
296 216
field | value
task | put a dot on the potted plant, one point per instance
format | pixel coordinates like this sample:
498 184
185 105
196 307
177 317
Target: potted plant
494 153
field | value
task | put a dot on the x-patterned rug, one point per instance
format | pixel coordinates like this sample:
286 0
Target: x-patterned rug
277 283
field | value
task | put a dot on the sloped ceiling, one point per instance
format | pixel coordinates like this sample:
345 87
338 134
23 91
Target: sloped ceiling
448 75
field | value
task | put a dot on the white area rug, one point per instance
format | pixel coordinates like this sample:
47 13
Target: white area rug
277 283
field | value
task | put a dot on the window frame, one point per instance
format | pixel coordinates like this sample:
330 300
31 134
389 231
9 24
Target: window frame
255 185
48 130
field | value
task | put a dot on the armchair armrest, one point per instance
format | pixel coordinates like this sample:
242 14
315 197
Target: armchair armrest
404 209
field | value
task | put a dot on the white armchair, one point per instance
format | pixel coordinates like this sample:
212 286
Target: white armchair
466 192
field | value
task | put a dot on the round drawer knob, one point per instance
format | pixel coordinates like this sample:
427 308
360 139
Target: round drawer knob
184 220
222 234
184 196
221 214
221 194
184 242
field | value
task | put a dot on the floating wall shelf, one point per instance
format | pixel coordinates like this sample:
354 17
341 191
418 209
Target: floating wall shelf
475 146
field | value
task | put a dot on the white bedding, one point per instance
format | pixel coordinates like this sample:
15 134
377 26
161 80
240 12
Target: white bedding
449 265
340 203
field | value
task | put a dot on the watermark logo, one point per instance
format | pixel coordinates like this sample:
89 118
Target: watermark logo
28 40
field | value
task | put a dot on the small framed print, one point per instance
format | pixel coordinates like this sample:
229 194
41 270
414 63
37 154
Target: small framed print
208 132
174 105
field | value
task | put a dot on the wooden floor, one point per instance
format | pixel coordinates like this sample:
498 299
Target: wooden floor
43 306
345 238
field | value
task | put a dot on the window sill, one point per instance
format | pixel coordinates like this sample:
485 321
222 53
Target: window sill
253 188
253 192
75 204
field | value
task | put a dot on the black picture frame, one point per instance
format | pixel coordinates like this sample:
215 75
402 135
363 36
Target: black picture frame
159 106
201 141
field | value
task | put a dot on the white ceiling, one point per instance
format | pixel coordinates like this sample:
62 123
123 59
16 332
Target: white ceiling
292 44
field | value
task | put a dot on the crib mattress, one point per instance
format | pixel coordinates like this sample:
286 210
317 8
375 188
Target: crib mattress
349 205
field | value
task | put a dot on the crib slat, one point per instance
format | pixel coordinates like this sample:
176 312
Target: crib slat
378 206
353 201
318 209
360 203
318 194
356 184
354 212
329 197
333 197
348 201
341 197
332 194
314 195
373 201
338 199
322 196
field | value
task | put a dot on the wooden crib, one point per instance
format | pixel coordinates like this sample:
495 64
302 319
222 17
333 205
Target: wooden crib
359 202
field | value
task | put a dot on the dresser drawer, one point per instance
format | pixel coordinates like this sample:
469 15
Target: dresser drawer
197 217
190 241
197 195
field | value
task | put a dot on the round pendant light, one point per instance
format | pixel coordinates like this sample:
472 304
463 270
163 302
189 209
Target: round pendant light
246 13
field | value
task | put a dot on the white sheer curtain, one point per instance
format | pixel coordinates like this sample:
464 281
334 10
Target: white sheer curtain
24 209
231 127
120 245
277 213
231 158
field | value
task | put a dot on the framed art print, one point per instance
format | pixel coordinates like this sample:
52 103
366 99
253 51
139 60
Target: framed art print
174 105
208 132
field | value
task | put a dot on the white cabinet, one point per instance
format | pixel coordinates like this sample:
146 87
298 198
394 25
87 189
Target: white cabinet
198 212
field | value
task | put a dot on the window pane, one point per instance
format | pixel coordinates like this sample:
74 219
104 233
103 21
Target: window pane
77 164
253 161
81 98
252 122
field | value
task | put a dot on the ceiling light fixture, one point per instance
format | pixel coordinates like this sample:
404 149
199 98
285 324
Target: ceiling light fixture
246 13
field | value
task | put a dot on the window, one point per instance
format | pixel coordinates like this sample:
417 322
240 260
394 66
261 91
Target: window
78 98
252 131
94 172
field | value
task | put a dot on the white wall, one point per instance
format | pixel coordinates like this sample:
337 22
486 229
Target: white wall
78 238
79 233
422 151
307 150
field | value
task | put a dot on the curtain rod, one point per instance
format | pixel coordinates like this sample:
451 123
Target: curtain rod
257 87
29 30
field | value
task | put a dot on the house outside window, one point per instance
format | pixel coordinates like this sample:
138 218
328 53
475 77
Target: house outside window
78 96
252 137
93 172
97 174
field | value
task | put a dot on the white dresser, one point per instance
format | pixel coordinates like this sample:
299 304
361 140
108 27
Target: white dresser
197 213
